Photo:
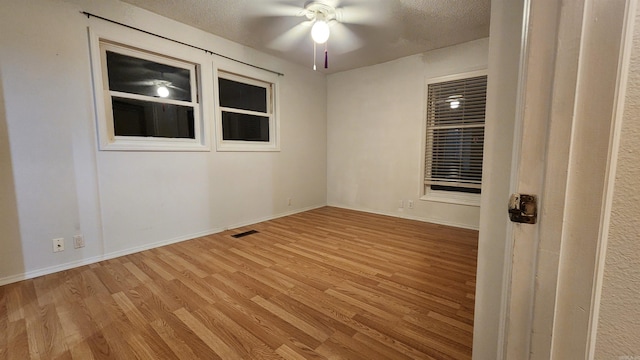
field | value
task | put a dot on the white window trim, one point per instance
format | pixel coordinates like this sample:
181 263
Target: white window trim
451 197
441 196
248 75
134 43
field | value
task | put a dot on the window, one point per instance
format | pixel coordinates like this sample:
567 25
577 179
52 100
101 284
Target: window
150 101
246 113
455 136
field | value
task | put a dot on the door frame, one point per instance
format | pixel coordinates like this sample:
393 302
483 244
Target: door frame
557 72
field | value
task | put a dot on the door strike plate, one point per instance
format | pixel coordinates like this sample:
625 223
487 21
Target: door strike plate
523 208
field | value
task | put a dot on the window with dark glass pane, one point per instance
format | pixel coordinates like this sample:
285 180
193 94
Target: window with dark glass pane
143 77
244 127
149 119
245 110
237 95
154 113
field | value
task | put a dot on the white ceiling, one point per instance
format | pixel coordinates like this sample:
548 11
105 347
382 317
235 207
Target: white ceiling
370 31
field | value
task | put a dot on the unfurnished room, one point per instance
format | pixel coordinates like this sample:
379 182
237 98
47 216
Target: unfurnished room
330 179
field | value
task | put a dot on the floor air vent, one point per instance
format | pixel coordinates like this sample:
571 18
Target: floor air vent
242 234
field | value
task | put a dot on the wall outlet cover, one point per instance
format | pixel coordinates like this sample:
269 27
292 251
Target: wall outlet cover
58 245
78 241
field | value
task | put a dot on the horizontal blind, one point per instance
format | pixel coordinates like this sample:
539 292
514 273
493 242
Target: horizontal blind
455 133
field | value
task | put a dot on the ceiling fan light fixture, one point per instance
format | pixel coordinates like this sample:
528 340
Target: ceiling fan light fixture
454 101
320 31
162 91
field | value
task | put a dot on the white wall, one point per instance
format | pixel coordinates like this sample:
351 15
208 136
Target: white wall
375 119
55 183
619 319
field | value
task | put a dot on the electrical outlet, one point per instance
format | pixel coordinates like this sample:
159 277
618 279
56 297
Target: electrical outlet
289 202
78 241
58 244
410 204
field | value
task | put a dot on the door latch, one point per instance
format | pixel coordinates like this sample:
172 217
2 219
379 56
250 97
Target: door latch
523 208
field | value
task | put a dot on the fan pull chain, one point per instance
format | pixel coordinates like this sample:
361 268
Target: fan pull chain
314 55
326 57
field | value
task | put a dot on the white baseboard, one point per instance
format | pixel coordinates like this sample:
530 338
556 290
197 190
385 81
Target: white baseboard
407 216
94 259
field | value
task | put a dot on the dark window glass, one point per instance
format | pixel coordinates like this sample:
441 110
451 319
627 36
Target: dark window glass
145 118
244 127
144 77
243 96
457 156
455 188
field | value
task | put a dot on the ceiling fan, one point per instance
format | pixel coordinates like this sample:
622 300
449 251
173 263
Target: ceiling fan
338 22
141 76
320 15
161 86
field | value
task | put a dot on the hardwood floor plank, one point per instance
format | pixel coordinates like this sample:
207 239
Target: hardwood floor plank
159 269
305 274
141 349
132 313
311 315
112 339
43 328
334 349
363 306
135 271
234 335
17 340
81 351
211 339
374 298
379 348
343 346
324 284
13 302
292 319
289 354
4 325
177 346
330 306
426 342
273 331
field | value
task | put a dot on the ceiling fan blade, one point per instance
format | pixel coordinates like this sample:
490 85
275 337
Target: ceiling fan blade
366 12
343 39
155 83
142 82
276 8
174 87
291 37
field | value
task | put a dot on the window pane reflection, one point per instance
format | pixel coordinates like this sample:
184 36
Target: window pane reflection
144 77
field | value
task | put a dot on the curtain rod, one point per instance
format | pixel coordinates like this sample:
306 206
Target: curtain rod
179 42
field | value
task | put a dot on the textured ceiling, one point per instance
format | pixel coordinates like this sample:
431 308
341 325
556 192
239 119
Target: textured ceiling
370 31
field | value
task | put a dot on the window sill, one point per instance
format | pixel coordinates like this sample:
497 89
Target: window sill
450 197
246 146
146 144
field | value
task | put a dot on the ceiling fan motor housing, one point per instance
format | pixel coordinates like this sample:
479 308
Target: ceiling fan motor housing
320 11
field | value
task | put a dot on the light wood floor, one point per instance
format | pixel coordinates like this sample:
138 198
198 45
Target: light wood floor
328 283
